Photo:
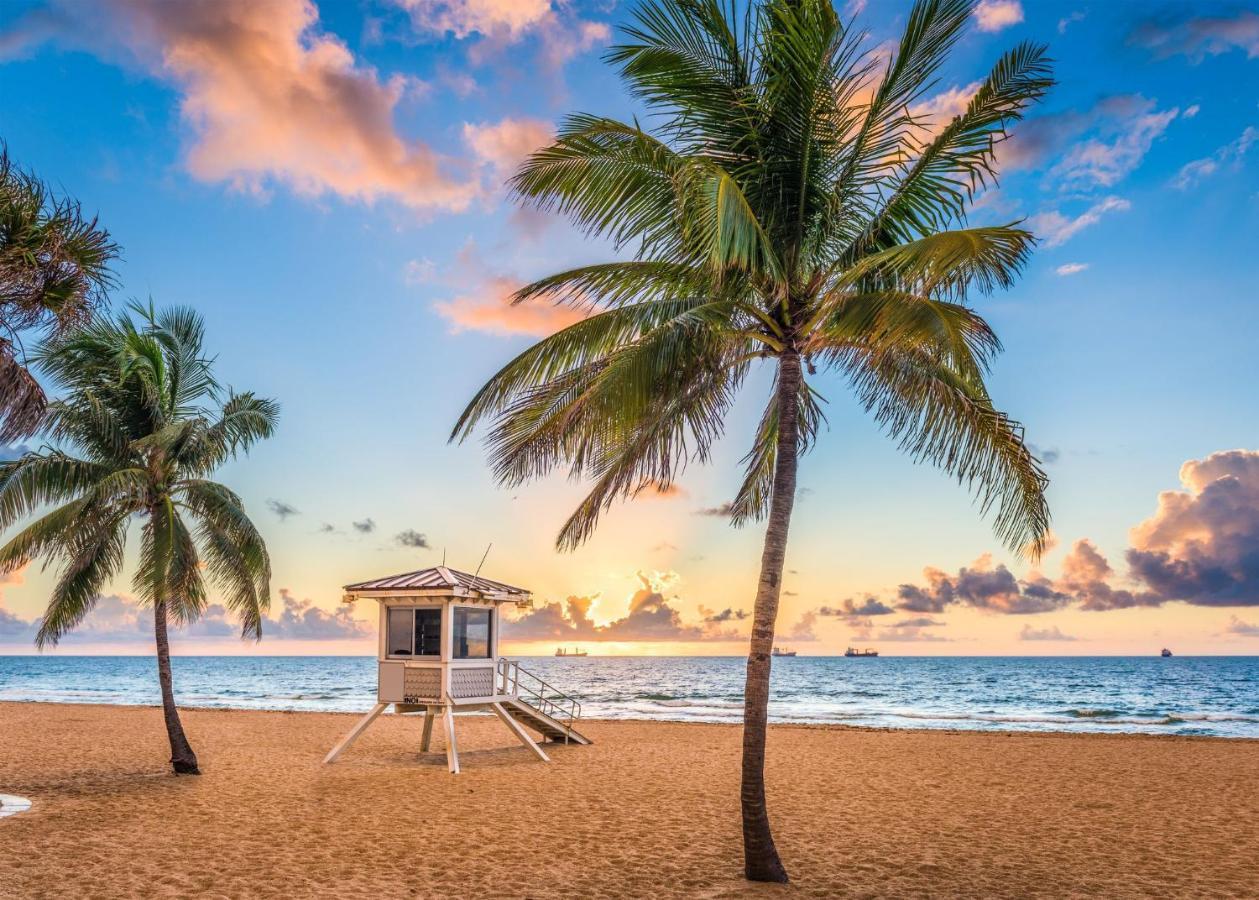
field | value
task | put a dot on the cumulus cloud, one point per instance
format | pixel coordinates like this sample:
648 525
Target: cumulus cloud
282 509
302 620
1052 633
1071 269
982 586
994 15
10 452
1056 229
1230 155
1201 546
366 526
271 98
1200 36
1047 455
651 617
412 538
502 146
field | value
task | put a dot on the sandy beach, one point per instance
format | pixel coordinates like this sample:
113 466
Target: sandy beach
649 810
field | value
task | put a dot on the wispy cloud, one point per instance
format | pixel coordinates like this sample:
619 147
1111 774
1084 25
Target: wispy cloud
1200 36
1071 268
1067 21
1230 155
1050 633
365 526
1056 229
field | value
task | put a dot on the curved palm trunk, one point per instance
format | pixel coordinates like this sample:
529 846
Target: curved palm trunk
182 759
760 856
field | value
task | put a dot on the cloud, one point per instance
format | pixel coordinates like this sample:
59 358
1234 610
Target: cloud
504 145
804 629
936 112
1200 36
1237 626
327 528
1071 268
1056 229
1067 21
302 620
994 15
651 617
849 608
412 538
724 511
282 509
419 271
982 586
1191 111
1098 145
498 24
726 615
1101 162
271 98
484 303
366 526
1052 633
1202 544
1047 455
1231 154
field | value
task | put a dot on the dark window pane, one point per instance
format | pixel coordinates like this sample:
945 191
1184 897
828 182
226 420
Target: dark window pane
472 633
399 638
428 632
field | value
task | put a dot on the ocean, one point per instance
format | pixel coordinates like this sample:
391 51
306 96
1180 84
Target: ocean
1181 695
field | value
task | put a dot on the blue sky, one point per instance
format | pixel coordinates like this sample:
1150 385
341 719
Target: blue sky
323 182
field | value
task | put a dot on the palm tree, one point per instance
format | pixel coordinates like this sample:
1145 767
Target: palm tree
790 207
54 271
143 423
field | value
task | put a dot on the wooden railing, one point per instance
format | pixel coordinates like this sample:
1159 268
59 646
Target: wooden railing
531 689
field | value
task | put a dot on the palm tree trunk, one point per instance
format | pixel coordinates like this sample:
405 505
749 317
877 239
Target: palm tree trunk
182 759
760 856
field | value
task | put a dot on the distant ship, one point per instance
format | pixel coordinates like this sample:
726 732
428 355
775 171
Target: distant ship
574 652
851 652
779 651
1166 653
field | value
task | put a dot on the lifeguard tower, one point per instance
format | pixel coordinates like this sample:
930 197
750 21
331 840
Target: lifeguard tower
438 655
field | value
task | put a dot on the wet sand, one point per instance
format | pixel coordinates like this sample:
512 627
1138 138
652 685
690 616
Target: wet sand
650 810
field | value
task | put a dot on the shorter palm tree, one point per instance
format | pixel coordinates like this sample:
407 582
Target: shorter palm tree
54 271
141 425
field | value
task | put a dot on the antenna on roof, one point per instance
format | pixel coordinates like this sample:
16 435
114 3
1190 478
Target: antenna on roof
443 556
485 554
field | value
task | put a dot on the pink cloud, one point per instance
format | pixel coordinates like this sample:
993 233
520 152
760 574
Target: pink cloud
1056 229
1230 155
505 144
994 15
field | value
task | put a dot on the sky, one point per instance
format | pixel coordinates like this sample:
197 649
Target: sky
323 181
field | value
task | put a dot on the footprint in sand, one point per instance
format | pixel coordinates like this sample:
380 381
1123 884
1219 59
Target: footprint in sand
11 805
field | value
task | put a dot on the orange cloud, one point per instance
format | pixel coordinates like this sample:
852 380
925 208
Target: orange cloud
271 98
504 145
488 308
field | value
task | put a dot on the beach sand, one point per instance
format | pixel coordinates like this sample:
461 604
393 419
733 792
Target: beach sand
650 810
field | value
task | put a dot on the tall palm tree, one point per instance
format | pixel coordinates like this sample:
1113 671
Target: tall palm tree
54 271
791 207
140 427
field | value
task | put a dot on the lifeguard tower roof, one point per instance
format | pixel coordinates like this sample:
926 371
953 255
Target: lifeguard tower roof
436 578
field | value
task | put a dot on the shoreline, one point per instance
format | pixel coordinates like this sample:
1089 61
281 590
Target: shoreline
650 809
1118 731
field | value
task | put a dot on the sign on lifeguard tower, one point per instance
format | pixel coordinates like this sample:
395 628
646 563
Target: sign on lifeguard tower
438 655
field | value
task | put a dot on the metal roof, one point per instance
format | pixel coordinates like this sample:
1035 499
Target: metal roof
434 579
